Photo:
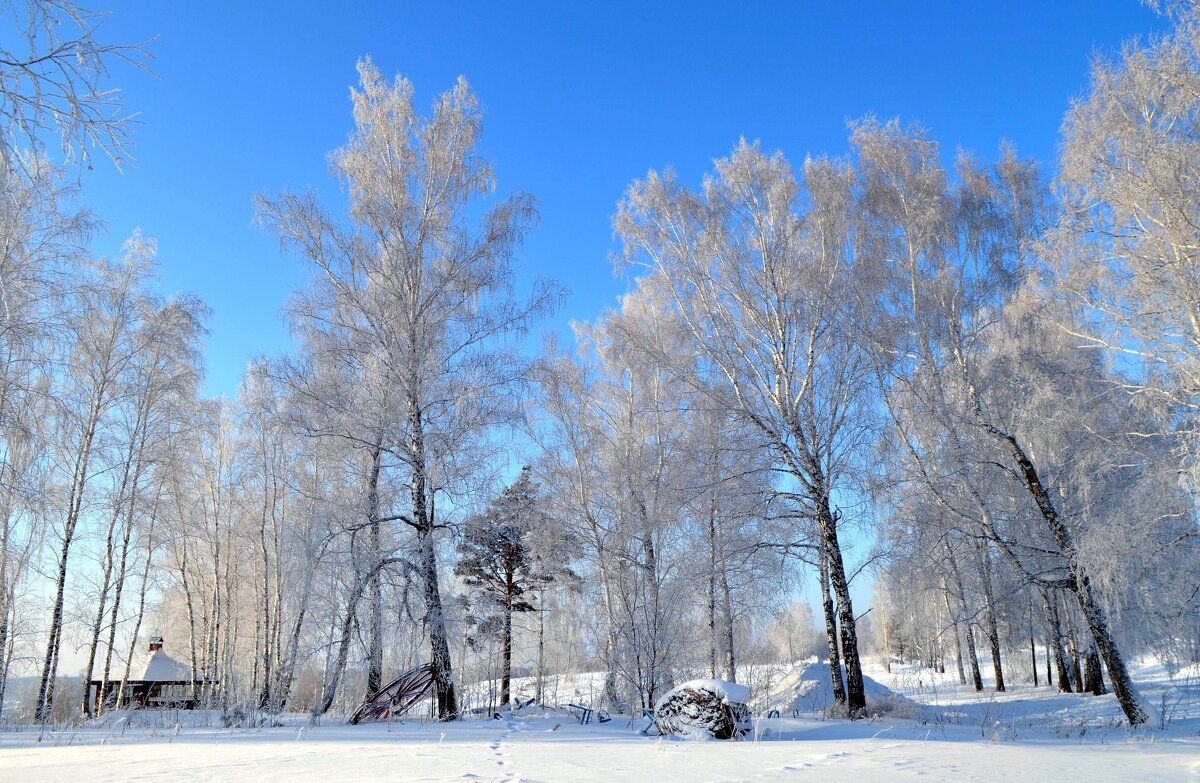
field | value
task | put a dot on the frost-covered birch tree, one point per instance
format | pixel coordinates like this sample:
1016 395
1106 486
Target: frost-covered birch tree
956 257
758 270
55 79
102 349
1126 253
417 284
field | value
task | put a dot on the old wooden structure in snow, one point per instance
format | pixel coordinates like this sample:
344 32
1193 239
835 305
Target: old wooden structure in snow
164 682
398 696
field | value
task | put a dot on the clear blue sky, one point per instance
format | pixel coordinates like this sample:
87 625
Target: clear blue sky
580 98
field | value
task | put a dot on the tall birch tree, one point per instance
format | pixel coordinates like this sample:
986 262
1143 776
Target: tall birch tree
417 285
758 270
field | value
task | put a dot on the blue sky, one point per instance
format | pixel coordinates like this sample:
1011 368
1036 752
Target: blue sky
580 98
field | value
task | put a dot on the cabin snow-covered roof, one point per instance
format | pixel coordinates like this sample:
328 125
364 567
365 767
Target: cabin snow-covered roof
161 667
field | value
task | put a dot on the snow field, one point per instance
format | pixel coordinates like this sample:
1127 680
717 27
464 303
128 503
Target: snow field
532 750
953 734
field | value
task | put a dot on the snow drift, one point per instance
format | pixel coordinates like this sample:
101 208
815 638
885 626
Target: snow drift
808 688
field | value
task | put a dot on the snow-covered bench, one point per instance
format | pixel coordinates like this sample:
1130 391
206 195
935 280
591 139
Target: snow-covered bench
582 713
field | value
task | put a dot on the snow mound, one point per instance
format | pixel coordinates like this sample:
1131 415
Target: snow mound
808 688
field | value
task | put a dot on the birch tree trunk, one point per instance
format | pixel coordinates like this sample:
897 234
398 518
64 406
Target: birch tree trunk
856 699
435 618
75 495
954 625
1093 678
969 633
831 631
119 589
262 632
540 692
1076 669
343 648
287 670
711 594
989 610
727 619
131 469
1033 661
137 625
85 706
375 630
1050 601
1136 709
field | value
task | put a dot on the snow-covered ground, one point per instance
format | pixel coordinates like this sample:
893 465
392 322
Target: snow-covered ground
950 734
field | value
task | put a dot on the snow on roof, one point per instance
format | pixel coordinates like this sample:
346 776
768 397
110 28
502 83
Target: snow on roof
729 691
161 667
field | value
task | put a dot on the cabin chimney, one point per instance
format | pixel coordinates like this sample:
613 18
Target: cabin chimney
156 643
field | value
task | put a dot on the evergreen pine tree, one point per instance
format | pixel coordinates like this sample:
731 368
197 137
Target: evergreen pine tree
508 553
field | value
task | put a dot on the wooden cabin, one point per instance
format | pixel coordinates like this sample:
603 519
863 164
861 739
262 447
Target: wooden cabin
164 682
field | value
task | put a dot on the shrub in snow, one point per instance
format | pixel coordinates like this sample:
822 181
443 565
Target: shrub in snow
714 708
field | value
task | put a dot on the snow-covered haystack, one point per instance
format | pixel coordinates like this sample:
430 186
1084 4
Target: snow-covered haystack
698 708
808 689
